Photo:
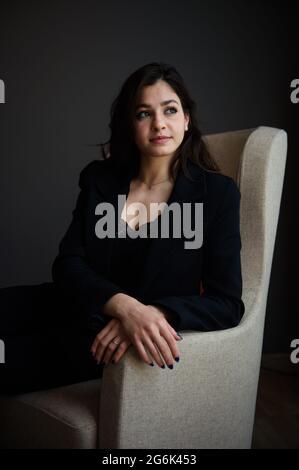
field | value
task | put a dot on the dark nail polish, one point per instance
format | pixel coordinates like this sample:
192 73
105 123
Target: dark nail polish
170 366
152 364
177 359
163 366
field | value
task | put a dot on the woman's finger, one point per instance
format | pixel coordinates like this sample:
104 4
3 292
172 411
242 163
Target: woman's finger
160 350
172 345
166 345
110 349
109 327
175 334
102 343
120 351
154 351
142 352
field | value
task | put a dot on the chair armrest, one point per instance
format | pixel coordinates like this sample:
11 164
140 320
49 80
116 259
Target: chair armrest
206 401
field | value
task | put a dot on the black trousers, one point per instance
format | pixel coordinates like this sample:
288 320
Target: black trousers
47 343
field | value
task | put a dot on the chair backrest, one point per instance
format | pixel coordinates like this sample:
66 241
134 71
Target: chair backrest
255 159
227 148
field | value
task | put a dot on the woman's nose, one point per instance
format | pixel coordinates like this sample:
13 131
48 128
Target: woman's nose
158 124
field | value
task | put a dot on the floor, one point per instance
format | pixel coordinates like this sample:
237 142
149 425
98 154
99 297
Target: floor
277 409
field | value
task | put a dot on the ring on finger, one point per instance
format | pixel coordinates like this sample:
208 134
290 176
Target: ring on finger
116 340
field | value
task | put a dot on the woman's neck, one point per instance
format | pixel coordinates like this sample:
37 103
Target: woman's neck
154 174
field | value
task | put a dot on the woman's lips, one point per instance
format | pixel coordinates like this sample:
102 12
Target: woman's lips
160 140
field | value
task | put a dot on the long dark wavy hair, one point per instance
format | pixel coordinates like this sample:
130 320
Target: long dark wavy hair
122 149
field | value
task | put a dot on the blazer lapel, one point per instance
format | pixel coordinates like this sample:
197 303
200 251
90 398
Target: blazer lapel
114 182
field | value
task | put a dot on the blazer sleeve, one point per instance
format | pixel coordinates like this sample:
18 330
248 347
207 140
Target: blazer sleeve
71 272
220 305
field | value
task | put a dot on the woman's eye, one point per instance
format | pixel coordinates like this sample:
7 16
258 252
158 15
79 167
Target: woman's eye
173 109
139 115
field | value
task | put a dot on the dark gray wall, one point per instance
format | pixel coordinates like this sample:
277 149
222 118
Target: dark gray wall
64 62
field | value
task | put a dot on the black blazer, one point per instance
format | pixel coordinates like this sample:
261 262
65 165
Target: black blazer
201 287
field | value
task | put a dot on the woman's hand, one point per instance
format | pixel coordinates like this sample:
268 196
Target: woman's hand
104 349
146 326
151 334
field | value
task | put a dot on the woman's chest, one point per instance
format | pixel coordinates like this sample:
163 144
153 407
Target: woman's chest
144 206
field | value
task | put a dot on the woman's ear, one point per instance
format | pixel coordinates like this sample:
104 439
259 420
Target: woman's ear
187 121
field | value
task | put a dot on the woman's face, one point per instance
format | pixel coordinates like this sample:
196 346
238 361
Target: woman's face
154 117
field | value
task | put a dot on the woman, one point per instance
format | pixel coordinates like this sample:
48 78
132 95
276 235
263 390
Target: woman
127 290
153 102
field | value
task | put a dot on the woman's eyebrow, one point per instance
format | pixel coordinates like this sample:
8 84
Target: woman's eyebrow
163 103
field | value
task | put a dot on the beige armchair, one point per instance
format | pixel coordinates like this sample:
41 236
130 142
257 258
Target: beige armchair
208 399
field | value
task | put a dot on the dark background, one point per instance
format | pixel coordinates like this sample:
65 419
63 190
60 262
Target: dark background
64 62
